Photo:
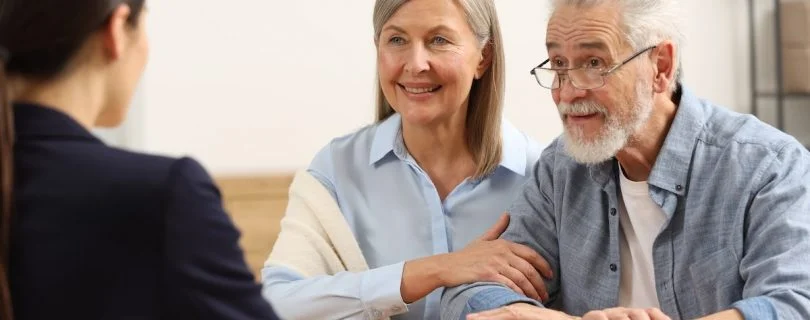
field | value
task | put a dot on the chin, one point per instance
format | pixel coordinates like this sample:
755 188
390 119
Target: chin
420 119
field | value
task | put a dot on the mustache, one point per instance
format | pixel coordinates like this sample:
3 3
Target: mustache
581 108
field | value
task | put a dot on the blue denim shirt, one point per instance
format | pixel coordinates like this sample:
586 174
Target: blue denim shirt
736 193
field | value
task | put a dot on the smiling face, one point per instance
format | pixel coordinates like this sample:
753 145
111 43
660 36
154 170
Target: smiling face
428 58
597 122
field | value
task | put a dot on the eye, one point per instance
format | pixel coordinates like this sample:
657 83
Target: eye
595 63
557 63
439 40
396 40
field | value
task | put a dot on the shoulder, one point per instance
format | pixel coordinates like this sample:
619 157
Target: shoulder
726 126
134 173
743 136
353 152
518 143
151 170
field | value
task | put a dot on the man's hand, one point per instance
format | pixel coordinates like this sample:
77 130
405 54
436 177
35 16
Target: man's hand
520 311
523 311
626 314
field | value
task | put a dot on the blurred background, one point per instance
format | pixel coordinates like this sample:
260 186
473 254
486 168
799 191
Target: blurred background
254 88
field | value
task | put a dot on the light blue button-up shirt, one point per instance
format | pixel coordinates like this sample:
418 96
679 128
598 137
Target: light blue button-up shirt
396 215
736 193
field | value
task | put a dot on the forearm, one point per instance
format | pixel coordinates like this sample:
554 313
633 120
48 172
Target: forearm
458 302
345 295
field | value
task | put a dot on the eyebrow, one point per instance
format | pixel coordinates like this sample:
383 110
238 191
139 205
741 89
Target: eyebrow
435 29
395 28
442 27
598 45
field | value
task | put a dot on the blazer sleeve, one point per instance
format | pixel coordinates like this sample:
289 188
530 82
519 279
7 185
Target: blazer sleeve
206 276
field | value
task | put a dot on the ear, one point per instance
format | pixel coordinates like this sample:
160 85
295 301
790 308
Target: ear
486 61
115 33
665 65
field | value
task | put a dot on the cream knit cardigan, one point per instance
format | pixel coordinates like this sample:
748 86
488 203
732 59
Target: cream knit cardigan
315 238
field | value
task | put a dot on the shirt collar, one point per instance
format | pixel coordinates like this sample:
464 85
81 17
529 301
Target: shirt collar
388 139
36 121
671 168
385 138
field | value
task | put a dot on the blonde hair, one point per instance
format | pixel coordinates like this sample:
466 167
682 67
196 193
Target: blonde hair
485 107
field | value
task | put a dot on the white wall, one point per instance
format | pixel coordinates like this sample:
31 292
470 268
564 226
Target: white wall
261 85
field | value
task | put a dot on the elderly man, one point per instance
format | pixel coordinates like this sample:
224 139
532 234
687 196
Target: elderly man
653 203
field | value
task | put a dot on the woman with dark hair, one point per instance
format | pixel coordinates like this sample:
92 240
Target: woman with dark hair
89 231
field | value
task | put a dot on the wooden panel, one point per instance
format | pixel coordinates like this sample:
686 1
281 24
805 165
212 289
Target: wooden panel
262 187
256 205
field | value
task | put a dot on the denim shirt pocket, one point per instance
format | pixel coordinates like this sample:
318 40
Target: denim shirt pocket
717 281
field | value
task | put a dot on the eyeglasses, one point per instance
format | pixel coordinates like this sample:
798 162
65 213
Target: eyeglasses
583 78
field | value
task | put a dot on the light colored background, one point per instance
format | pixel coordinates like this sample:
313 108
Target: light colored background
259 86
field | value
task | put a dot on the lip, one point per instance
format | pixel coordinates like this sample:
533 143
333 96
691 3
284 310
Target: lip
422 96
581 118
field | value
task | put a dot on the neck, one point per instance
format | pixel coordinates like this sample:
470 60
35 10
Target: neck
74 94
638 157
443 145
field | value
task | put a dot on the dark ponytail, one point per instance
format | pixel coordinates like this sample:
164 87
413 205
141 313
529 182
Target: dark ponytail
6 186
37 41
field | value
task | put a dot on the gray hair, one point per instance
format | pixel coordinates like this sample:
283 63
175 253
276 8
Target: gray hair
485 108
645 23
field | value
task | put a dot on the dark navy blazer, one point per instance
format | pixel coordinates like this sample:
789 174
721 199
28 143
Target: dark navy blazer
103 233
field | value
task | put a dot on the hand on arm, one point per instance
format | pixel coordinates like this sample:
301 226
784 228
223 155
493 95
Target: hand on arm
487 259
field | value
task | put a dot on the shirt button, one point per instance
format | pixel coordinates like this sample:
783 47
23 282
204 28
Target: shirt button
679 187
376 314
613 267
613 212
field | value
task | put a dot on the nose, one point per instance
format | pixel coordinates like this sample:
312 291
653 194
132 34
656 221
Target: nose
418 60
568 93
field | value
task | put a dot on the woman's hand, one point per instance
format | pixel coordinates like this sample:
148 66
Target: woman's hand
496 260
486 259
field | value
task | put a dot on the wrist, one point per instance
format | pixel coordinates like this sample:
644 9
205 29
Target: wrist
419 278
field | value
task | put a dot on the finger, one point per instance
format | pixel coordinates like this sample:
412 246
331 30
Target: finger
497 229
495 314
531 274
657 314
595 315
509 283
638 314
522 281
618 313
534 258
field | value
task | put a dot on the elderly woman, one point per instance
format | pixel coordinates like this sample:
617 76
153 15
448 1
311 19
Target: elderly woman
414 189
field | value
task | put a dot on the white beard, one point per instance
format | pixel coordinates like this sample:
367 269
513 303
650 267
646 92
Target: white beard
617 129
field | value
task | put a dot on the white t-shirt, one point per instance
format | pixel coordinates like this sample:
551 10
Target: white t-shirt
641 220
